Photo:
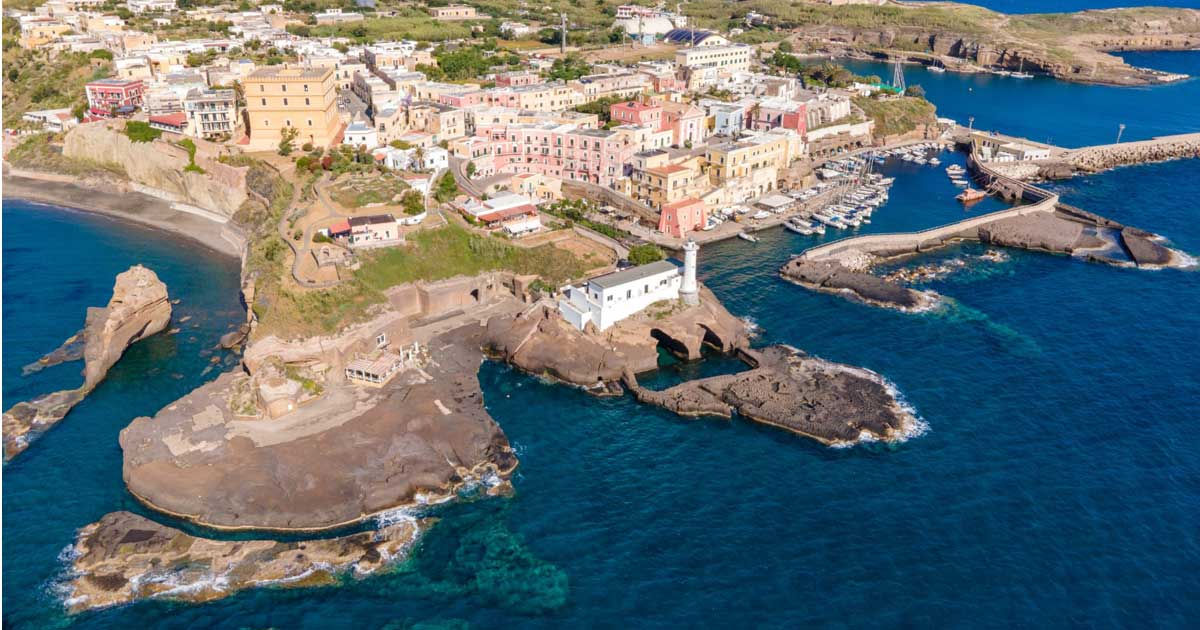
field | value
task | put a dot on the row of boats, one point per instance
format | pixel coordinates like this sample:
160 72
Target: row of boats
958 176
915 153
852 209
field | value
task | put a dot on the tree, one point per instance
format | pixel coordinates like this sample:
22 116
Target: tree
413 203
569 68
286 138
644 254
471 169
786 46
446 189
915 90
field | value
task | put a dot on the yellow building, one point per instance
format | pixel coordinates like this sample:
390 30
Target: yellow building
278 97
657 182
38 32
730 160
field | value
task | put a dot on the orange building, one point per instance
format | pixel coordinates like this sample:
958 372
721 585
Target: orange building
683 216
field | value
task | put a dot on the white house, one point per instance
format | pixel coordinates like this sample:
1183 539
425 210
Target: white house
359 133
608 299
435 158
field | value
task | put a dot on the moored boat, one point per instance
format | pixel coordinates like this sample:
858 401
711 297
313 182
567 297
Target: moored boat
970 194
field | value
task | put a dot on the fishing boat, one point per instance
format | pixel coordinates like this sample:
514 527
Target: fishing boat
747 237
970 195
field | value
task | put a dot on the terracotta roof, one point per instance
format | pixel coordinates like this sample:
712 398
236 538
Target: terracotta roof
341 227
177 119
501 215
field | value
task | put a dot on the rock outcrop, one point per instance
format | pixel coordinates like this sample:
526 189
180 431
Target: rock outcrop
241 453
157 168
534 341
1093 159
139 307
124 558
834 277
833 403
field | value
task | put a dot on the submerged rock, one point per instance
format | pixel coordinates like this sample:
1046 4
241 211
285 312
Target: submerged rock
832 276
125 557
830 402
139 307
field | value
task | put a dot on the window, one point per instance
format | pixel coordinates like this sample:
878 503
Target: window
264 102
262 88
306 101
305 87
284 86
309 122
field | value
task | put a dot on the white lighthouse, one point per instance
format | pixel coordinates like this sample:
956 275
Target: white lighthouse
689 290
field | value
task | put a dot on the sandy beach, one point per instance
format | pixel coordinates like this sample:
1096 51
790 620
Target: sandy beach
132 206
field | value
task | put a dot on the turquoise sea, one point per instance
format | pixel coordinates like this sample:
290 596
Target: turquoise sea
1058 484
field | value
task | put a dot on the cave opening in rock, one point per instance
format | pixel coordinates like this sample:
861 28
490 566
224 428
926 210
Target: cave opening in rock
670 344
711 339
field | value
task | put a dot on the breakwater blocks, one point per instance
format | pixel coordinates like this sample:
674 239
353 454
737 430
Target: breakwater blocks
125 557
830 402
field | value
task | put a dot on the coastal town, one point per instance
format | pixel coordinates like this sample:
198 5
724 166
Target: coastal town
411 188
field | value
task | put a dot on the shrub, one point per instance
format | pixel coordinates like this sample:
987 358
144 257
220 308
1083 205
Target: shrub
644 254
139 131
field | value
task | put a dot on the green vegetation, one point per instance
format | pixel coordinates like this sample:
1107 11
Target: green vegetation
360 191
575 211
41 152
409 23
34 81
894 116
644 254
190 147
601 107
139 131
287 137
569 68
429 255
827 74
468 62
293 373
413 203
446 189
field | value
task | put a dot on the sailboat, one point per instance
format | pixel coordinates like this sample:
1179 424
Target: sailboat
1020 73
938 68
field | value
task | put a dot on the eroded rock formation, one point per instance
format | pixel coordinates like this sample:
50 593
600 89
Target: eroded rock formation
139 307
125 557
537 341
829 402
249 452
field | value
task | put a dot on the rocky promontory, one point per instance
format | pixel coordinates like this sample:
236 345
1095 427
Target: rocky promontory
291 443
125 557
833 403
139 307
541 342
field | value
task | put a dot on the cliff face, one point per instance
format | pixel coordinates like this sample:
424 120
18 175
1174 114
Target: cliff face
139 307
1071 46
159 165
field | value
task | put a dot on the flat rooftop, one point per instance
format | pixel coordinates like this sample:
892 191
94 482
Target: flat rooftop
627 276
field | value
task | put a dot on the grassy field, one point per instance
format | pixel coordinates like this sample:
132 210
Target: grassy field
429 255
896 116
356 192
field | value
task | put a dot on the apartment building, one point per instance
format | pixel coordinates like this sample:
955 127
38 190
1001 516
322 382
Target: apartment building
453 12
211 114
688 124
658 182
543 97
564 151
731 160
637 113
518 78
120 96
41 31
771 113
616 85
397 56
278 97
730 59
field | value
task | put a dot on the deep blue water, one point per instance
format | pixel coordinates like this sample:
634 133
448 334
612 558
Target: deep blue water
1065 114
1058 483
1066 6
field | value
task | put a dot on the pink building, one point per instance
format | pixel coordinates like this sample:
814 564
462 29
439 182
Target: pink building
563 151
122 96
779 112
687 124
683 216
637 113
518 79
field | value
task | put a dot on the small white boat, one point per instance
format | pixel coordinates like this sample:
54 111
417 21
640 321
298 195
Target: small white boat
937 69
760 215
747 237
799 228
817 227
935 162
961 183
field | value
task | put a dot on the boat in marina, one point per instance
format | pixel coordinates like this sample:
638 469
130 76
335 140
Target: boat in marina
934 162
961 183
799 227
970 195
937 69
747 237
1020 73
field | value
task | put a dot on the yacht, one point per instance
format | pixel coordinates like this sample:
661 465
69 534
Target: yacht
799 227
747 237
1020 73
937 69
934 162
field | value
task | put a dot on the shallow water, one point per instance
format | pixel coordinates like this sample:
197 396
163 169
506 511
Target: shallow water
1058 484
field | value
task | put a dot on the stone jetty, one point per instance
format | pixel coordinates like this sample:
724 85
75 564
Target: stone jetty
829 402
844 266
1103 157
124 558
139 307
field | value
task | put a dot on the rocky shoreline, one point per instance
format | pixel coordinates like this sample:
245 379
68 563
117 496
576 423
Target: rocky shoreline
833 403
139 307
125 557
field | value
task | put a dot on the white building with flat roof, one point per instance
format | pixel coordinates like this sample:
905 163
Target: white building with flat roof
608 299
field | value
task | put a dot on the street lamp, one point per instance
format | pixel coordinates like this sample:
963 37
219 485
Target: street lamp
970 123
1120 130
